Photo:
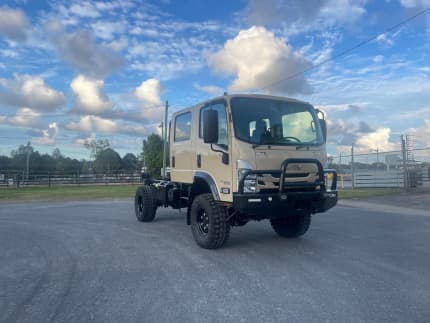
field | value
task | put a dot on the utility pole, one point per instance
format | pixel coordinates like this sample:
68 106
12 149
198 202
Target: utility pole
352 165
404 156
166 111
28 161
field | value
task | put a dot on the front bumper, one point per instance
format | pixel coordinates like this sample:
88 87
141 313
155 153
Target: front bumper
279 205
290 198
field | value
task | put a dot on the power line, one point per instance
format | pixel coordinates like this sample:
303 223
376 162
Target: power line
346 51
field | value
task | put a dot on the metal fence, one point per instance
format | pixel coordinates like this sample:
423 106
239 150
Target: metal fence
14 179
404 168
400 168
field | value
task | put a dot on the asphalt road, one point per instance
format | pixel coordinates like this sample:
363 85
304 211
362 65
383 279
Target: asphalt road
81 261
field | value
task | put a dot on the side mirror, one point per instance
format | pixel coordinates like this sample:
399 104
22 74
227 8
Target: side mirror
210 126
323 125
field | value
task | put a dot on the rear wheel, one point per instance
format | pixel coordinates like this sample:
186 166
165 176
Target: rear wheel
292 226
145 205
209 222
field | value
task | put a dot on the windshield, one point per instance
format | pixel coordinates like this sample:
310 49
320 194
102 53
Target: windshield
274 122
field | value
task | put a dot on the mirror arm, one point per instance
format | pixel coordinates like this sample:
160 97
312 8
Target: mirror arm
225 158
218 150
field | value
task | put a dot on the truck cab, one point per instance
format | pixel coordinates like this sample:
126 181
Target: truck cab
238 158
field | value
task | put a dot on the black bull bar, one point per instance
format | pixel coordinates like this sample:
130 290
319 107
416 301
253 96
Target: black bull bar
289 196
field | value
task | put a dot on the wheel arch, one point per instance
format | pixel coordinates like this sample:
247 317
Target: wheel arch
202 183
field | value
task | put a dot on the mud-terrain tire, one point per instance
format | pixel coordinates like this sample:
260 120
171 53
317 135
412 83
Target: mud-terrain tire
145 205
209 224
292 226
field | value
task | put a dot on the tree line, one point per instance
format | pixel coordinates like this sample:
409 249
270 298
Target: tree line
102 158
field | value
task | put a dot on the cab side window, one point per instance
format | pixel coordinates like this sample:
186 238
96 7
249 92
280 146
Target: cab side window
183 126
222 123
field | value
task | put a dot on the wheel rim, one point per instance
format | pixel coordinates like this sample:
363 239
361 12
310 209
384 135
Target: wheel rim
140 205
203 222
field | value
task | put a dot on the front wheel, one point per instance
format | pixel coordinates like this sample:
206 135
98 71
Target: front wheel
209 222
292 226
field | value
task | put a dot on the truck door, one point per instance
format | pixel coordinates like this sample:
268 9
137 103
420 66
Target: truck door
182 151
211 161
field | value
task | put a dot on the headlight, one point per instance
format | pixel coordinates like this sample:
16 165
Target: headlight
249 184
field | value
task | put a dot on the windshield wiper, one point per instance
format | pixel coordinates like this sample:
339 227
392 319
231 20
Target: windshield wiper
301 147
257 145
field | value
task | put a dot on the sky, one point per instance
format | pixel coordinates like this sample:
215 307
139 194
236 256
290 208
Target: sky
73 71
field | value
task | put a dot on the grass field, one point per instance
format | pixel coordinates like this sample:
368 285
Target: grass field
127 191
367 192
67 193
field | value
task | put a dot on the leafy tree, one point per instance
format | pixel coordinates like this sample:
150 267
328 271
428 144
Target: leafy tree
97 146
153 154
19 156
56 154
107 160
23 150
5 162
129 162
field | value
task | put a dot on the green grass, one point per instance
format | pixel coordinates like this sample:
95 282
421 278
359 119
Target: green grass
67 193
366 192
127 191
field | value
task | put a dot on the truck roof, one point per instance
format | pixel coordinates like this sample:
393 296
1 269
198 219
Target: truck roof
230 96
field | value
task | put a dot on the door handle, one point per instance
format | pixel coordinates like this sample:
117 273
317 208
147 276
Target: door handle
199 161
173 161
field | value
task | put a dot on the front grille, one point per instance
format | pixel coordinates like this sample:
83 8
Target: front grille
269 182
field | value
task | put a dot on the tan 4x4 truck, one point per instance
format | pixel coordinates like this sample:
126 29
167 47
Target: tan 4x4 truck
238 158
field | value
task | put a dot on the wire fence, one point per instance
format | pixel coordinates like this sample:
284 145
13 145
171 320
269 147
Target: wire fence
17 179
404 168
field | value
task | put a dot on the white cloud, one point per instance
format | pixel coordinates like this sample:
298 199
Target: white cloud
30 91
379 139
384 39
118 44
166 56
84 124
13 24
149 92
257 59
89 95
48 136
301 15
84 141
415 3
9 53
80 49
85 10
378 58
343 11
425 69
105 125
421 134
273 11
107 29
25 117
93 123
210 89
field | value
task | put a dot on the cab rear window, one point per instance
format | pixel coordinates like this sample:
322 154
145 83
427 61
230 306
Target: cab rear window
183 127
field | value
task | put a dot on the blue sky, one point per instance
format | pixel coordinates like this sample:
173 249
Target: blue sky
75 70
